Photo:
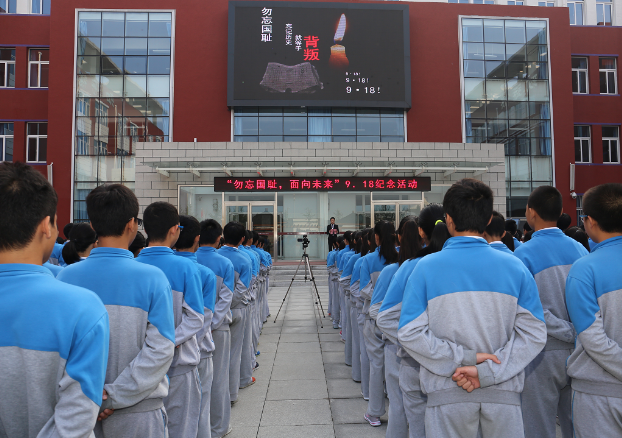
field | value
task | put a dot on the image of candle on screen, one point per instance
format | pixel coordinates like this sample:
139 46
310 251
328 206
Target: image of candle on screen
338 58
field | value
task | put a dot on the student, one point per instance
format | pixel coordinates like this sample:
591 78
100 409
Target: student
512 228
264 269
527 236
234 234
549 255
262 247
344 317
336 307
249 354
83 240
593 294
138 244
372 266
52 376
207 255
330 265
496 236
350 289
564 221
139 300
580 236
452 314
186 246
183 403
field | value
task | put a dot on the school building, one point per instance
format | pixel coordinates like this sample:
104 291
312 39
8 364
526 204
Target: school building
283 114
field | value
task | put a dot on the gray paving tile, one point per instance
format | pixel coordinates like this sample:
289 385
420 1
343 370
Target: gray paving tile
343 388
269 338
300 390
337 371
298 359
299 337
333 356
265 347
332 346
270 330
298 372
296 413
315 431
360 431
350 411
328 327
246 412
300 329
243 431
299 347
330 337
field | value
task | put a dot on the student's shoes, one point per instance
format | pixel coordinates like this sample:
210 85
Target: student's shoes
373 421
256 365
257 353
228 431
335 326
343 340
366 399
232 403
252 382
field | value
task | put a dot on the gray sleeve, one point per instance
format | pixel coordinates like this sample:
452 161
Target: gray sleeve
191 324
388 321
143 375
559 328
367 291
602 349
222 306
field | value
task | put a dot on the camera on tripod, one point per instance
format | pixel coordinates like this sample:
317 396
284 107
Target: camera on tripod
305 241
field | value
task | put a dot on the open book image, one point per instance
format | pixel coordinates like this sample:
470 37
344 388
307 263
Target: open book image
301 78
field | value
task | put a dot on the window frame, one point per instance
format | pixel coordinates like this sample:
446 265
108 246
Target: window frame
8 7
40 7
609 140
4 137
589 143
609 70
40 63
516 3
38 137
604 5
547 4
578 72
574 6
6 68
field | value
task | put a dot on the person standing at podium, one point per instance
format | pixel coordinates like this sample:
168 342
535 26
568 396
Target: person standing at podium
333 231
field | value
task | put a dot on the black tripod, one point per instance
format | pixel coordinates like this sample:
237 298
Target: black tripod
318 304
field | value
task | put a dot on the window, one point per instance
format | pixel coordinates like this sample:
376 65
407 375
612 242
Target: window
515 3
7 68
608 79
603 13
576 13
547 4
8 6
579 76
582 148
41 7
6 141
38 68
611 144
37 141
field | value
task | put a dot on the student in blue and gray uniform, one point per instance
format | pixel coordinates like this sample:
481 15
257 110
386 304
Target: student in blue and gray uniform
470 299
497 236
350 286
330 264
248 364
344 317
54 269
83 240
53 336
234 234
253 330
183 403
187 246
261 293
512 228
140 305
207 255
372 341
268 263
336 307
549 255
594 297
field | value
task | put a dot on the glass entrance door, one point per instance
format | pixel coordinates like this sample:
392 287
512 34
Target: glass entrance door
260 219
385 212
395 211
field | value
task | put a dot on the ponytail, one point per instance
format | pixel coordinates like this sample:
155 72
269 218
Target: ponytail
410 242
81 237
431 222
386 233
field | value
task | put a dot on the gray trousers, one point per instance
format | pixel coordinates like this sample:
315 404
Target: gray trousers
398 425
248 357
183 404
596 415
468 420
414 400
256 328
336 309
330 294
346 328
237 326
364 357
375 353
356 346
546 395
133 425
206 374
220 405
266 306
342 304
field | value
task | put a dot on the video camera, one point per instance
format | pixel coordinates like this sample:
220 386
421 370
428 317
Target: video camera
305 241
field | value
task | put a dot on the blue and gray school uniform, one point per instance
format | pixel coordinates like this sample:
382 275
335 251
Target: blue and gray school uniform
264 269
351 348
591 243
220 404
517 243
594 297
53 370
450 313
183 403
247 363
500 246
342 298
330 263
139 302
54 269
549 255
56 258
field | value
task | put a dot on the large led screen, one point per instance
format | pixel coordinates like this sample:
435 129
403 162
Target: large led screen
318 54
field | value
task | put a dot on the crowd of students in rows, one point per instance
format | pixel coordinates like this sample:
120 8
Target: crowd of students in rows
96 340
472 333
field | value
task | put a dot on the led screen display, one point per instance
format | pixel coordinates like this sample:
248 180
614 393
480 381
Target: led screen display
339 184
318 54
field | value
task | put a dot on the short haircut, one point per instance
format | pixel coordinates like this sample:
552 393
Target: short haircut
332 218
110 207
248 236
603 203
511 227
233 233
191 230
26 199
158 219
67 230
255 237
138 244
496 228
211 231
469 203
547 202
564 221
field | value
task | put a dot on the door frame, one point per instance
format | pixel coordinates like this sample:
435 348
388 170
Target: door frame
397 205
248 225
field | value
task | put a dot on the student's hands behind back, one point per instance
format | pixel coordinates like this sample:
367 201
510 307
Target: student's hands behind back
467 377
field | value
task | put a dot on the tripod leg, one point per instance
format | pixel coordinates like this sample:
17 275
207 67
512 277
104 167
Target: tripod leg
288 289
316 290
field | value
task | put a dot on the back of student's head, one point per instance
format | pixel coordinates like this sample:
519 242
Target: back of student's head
67 230
211 231
26 199
564 221
158 219
348 237
371 240
528 235
357 238
432 224
233 233
579 235
404 220
410 242
341 242
385 231
110 207
80 238
469 203
511 227
189 233
496 230
603 203
428 218
526 227
256 238
547 202
138 244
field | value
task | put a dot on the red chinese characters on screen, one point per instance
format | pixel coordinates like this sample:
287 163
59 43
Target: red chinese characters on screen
311 53
272 185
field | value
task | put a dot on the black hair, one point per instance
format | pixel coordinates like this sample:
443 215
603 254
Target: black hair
192 229
333 217
60 240
526 227
469 203
564 221
348 236
341 242
248 235
386 232
233 233
110 207
371 240
357 236
528 235
496 228
67 230
431 222
603 203
158 219
138 244
365 241
511 227
579 235
404 220
410 241
547 202
26 199
428 218
255 237
211 231
80 238
221 242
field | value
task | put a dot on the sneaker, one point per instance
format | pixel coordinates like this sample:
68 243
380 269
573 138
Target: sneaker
373 421
366 399
232 403
258 353
252 382
335 325
256 365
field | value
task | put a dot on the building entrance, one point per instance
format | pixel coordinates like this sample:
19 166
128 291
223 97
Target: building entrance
394 211
255 216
